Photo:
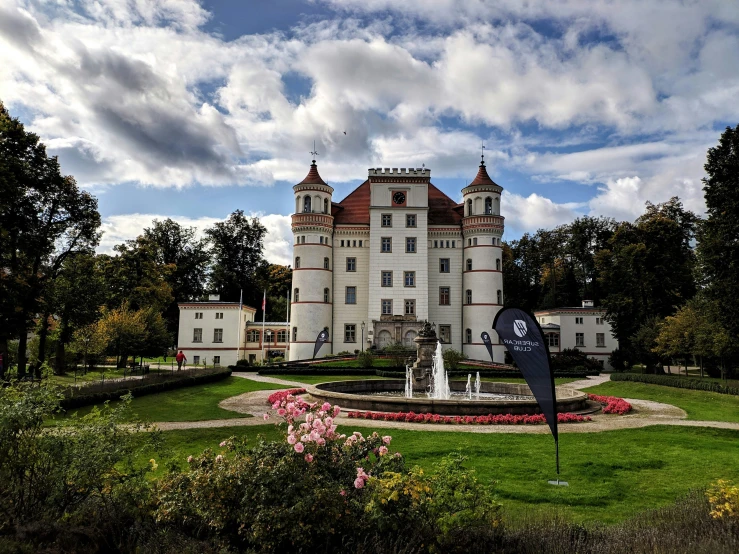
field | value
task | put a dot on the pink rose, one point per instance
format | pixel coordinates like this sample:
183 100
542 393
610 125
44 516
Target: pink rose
292 439
223 443
326 407
219 458
383 450
189 459
299 447
386 439
281 412
321 441
358 483
343 492
309 458
266 417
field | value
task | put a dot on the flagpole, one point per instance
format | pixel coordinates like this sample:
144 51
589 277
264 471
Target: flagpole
287 321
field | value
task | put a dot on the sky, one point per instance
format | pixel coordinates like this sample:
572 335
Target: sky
191 110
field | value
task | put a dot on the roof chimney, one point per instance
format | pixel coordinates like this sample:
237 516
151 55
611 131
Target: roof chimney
587 303
214 297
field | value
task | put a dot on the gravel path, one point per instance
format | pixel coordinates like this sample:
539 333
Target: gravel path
645 413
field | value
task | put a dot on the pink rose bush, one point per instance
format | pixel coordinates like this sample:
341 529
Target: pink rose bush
490 419
612 404
281 394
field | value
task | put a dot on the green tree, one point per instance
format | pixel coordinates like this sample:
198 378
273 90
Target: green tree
236 247
647 269
586 237
276 280
644 347
139 332
90 341
522 273
44 218
718 236
186 257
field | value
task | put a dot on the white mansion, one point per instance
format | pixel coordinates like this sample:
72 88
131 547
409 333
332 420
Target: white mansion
394 252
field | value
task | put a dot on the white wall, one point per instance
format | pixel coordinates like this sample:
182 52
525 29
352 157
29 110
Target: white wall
208 349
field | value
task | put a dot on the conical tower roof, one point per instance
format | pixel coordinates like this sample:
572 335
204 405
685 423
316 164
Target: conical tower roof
313 178
482 177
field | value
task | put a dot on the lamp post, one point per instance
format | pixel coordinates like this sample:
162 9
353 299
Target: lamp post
267 340
363 336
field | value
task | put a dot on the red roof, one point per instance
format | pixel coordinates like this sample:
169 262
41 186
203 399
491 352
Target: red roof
354 209
482 177
313 178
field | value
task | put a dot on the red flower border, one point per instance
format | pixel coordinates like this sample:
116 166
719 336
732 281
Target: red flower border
280 395
612 404
490 419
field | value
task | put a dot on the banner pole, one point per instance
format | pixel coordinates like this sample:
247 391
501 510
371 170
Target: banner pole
556 446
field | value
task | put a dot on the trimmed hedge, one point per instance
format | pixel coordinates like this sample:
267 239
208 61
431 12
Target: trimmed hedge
676 382
142 390
486 373
317 371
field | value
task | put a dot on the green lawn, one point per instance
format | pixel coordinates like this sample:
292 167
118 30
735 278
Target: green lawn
612 475
354 364
699 405
313 379
196 403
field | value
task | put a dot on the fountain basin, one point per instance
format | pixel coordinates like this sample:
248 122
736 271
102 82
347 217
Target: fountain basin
355 395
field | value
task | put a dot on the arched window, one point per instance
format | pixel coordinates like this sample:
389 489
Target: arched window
325 205
468 296
295 334
306 204
468 336
325 295
469 264
497 264
297 262
297 204
296 295
469 207
500 297
325 263
488 205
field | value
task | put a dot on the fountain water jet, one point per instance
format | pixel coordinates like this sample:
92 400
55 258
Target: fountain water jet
439 388
477 386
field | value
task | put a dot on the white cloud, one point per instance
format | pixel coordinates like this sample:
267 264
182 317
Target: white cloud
527 214
120 228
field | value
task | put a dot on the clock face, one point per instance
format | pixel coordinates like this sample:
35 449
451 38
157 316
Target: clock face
399 198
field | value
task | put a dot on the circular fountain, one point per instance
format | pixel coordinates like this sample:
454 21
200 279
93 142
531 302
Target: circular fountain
427 389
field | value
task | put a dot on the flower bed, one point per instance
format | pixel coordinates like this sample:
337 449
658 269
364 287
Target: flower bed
612 404
280 395
501 419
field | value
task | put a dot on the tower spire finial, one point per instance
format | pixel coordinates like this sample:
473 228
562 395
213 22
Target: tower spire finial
314 152
482 152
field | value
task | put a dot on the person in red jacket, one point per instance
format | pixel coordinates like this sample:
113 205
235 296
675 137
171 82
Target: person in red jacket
181 358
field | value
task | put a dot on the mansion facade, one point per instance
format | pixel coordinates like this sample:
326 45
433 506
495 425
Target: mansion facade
395 252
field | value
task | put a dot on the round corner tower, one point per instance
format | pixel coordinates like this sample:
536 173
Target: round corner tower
482 278
311 298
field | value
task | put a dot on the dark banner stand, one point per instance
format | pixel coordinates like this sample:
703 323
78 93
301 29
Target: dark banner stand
485 336
524 339
320 339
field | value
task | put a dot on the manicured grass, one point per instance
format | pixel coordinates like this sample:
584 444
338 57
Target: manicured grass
699 405
612 475
354 364
196 403
313 379
557 380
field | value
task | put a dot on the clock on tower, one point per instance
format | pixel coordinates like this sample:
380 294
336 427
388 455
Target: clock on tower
399 198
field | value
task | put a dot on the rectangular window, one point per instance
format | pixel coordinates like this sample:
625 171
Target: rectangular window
386 244
553 339
387 278
216 360
410 220
444 265
252 336
387 307
354 244
198 315
350 333
360 244
443 296
579 339
599 321
600 339
410 307
410 245
196 360
447 244
342 243
578 321
295 334
217 335
445 333
436 244
454 244
197 335
409 278
387 220
219 315
351 295
282 335
351 264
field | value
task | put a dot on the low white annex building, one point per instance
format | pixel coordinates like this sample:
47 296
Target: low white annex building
215 333
394 252
583 328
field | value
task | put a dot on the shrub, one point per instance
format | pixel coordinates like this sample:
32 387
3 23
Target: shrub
724 498
452 358
571 358
677 382
366 359
242 363
399 354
